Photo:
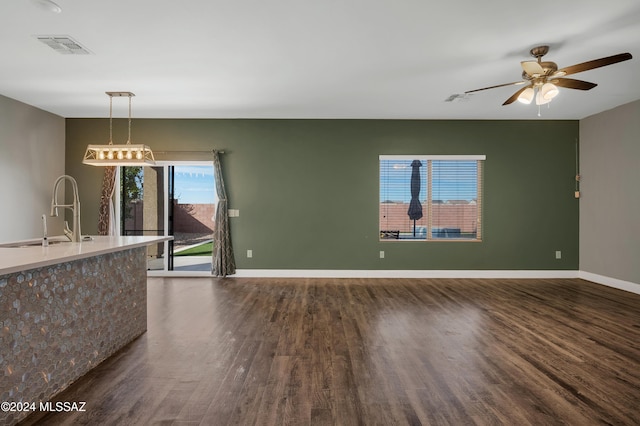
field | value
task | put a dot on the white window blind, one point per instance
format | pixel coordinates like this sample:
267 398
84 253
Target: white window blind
434 198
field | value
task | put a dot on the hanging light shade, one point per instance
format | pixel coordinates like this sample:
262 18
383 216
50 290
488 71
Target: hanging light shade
541 100
549 91
526 96
118 155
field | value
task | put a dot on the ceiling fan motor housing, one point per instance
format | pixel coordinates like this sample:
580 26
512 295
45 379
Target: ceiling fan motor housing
539 51
549 68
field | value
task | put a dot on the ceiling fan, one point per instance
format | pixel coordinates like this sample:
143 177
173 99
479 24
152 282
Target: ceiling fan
542 79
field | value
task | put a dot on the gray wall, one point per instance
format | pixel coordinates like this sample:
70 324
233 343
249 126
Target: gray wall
307 190
610 202
32 145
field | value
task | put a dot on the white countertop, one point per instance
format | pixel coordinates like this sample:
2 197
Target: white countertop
16 259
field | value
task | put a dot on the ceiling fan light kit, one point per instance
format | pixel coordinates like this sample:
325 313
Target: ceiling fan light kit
549 91
541 100
526 96
543 79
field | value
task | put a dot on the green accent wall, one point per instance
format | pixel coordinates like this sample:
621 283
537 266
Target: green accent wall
307 190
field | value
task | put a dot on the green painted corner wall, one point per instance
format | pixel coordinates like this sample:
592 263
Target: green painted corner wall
307 190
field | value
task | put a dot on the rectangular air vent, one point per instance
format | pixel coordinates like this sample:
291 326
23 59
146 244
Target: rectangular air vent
64 45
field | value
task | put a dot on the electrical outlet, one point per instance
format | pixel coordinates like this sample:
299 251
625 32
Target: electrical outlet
558 254
381 254
249 253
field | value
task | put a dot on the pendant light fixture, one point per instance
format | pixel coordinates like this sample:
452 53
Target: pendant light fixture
118 155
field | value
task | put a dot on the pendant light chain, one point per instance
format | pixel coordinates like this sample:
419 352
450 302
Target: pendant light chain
110 120
129 139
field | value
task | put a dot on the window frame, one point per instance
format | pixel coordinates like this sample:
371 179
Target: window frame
480 158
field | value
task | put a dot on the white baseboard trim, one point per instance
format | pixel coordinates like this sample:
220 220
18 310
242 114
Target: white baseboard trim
339 273
610 282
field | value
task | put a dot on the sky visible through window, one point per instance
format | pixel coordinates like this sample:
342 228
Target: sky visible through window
452 180
195 185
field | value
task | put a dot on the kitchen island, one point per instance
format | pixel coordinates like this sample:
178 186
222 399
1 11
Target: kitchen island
64 309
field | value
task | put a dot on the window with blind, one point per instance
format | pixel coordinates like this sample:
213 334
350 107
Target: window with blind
431 197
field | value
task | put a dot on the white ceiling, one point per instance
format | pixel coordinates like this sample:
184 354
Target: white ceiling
395 59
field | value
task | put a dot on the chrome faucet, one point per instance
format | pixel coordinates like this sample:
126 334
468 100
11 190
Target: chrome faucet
74 234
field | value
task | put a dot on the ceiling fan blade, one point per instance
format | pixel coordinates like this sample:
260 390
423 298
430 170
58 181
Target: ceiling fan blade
571 83
513 97
596 63
532 68
515 83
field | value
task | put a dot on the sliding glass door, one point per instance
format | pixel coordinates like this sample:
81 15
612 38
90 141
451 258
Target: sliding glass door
193 206
142 208
176 199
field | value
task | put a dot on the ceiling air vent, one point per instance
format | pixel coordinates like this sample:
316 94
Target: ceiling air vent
64 45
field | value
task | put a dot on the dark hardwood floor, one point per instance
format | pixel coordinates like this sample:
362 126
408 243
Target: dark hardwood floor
371 352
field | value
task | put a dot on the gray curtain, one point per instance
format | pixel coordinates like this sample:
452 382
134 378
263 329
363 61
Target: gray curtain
106 215
222 262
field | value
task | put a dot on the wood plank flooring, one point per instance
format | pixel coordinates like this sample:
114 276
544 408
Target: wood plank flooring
371 352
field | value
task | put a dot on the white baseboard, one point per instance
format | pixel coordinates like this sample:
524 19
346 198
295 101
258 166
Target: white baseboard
340 273
350 273
610 282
